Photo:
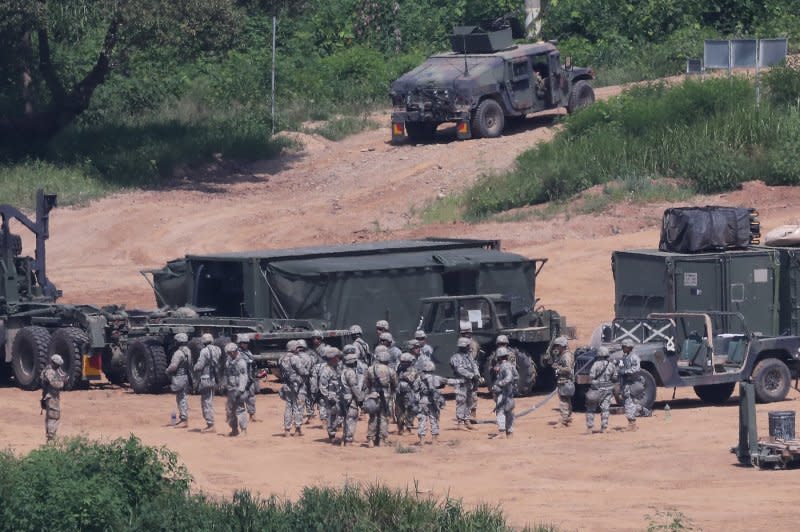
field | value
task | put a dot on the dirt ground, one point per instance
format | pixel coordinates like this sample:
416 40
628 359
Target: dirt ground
362 188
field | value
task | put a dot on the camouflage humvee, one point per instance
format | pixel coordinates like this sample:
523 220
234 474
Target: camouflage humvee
482 82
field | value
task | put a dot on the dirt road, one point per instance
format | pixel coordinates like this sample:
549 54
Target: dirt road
364 189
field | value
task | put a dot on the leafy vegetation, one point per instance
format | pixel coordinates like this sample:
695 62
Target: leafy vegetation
120 93
82 485
710 134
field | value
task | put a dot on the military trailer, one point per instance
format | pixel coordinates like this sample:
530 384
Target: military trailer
362 283
482 83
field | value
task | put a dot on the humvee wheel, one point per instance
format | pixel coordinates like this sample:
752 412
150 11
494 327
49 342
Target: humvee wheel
29 356
581 95
715 394
421 131
489 119
70 343
771 380
649 394
146 362
527 374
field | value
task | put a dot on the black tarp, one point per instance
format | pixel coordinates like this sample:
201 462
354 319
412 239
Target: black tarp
698 229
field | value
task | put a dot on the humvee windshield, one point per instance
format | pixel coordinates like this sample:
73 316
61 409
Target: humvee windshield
447 315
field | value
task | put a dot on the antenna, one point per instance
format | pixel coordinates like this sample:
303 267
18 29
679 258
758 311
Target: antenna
464 47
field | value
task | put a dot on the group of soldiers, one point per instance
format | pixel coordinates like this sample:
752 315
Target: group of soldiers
387 384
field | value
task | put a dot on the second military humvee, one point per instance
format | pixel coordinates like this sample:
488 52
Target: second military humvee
484 81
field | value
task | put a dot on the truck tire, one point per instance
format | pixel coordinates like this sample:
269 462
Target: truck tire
421 131
649 394
715 394
70 343
527 374
772 380
488 120
29 356
146 364
581 95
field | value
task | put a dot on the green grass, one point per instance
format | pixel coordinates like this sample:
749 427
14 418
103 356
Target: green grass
77 484
709 134
74 183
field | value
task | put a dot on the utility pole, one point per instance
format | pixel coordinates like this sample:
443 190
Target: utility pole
533 24
274 28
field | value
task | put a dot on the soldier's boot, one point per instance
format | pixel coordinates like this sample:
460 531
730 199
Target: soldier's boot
298 431
603 428
243 433
331 437
184 424
208 428
632 425
509 434
434 438
253 419
370 443
287 433
421 439
233 433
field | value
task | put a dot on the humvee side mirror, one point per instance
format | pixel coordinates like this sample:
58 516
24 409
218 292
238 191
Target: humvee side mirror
568 63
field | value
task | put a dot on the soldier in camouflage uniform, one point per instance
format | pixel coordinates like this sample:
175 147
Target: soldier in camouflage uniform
351 395
474 353
424 348
53 380
236 378
426 388
308 361
179 369
206 370
503 391
381 384
466 371
381 326
329 383
320 362
361 345
253 385
633 384
293 373
405 402
502 341
387 340
563 362
419 353
604 374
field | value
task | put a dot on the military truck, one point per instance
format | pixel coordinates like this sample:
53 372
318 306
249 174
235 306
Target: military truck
530 332
362 283
758 283
485 81
710 351
121 344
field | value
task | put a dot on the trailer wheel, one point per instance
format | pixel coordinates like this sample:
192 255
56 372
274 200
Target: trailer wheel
70 343
29 356
146 363
771 380
715 394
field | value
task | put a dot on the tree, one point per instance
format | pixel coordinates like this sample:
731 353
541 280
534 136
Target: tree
57 53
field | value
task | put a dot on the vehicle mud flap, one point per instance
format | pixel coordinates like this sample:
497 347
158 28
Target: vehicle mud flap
398 132
463 130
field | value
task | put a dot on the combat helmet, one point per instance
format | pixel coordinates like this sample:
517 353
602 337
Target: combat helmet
463 342
382 355
627 342
502 352
420 335
602 352
291 345
350 358
502 339
386 337
356 329
207 338
301 344
428 366
181 338
57 360
230 347
561 341
332 353
407 358
349 348
382 324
